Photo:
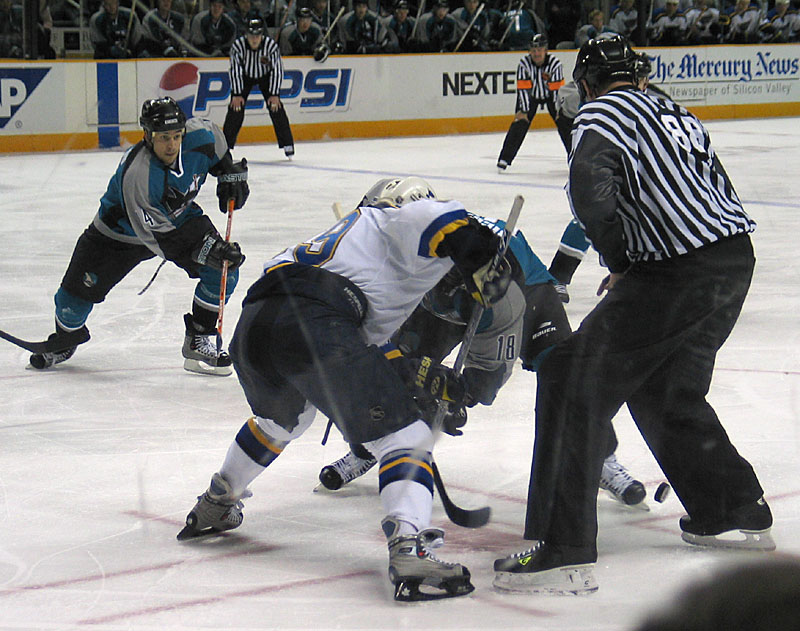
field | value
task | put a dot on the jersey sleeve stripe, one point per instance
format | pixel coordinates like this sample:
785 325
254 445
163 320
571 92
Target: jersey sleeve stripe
438 230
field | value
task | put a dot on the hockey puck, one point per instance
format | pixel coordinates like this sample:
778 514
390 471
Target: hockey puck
662 492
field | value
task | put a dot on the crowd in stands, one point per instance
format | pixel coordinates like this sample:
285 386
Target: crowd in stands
190 28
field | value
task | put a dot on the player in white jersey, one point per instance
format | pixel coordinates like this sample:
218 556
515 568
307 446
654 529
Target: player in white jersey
307 339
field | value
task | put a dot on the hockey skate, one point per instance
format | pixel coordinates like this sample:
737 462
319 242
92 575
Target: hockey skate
502 165
200 351
547 569
216 510
40 361
621 485
747 527
288 151
418 575
561 290
346 469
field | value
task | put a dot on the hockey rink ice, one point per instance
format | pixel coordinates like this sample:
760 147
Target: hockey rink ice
102 457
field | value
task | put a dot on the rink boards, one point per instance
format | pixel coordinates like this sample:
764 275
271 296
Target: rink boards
69 104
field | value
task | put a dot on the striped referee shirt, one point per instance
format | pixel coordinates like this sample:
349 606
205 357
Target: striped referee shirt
254 64
537 84
645 182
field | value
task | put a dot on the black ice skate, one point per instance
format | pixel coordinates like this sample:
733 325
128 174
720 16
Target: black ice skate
747 527
547 569
346 469
200 351
620 484
416 573
216 510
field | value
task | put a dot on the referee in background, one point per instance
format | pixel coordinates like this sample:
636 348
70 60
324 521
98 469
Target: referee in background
658 206
539 77
256 60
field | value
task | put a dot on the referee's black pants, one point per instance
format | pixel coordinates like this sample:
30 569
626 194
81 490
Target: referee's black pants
280 121
650 343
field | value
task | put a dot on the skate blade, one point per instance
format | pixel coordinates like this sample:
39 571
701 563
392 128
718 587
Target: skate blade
420 590
735 539
202 368
570 580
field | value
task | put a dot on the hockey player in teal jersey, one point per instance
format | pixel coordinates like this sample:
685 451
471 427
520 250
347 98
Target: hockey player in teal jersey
149 210
309 338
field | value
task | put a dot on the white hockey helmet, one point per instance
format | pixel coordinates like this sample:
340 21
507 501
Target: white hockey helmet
397 192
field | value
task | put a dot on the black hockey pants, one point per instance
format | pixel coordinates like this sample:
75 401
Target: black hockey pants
650 343
234 119
298 339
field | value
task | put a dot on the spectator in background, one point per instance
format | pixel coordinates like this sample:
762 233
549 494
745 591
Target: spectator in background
160 27
212 31
595 27
116 32
624 19
300 38
745 20
519 26
702 22
10 30
240 13
563 17
784 21
669 28
437 30
361 31
399 27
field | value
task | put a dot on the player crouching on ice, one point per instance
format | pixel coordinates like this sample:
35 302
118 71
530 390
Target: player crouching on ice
149 210
309 339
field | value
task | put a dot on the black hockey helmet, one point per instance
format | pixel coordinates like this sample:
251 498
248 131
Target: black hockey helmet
162 114
255 26
602 61
539 41
643 66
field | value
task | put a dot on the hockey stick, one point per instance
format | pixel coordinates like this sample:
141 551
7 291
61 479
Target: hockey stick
420 9
60 343
322 50
223 285
479 516
469 27
337 210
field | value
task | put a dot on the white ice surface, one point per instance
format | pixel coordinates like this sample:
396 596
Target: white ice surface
101 458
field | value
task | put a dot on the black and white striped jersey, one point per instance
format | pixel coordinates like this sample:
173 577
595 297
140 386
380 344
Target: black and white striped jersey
645 182
538 84
254 64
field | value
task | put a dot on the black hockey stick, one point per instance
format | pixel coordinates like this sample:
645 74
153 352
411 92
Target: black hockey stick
59 343
480 516
460 516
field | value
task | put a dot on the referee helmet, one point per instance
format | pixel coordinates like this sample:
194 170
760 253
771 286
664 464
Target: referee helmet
603 61
255 26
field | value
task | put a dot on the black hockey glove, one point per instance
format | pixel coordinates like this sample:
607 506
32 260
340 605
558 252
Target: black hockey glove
487 286
453 421
214 251
232 184
430 381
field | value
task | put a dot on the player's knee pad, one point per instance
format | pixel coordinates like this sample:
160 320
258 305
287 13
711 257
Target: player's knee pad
416 437
71 311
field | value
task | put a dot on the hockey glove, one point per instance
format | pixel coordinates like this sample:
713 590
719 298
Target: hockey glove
453 421
430 381
233 185
214 251
490 285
